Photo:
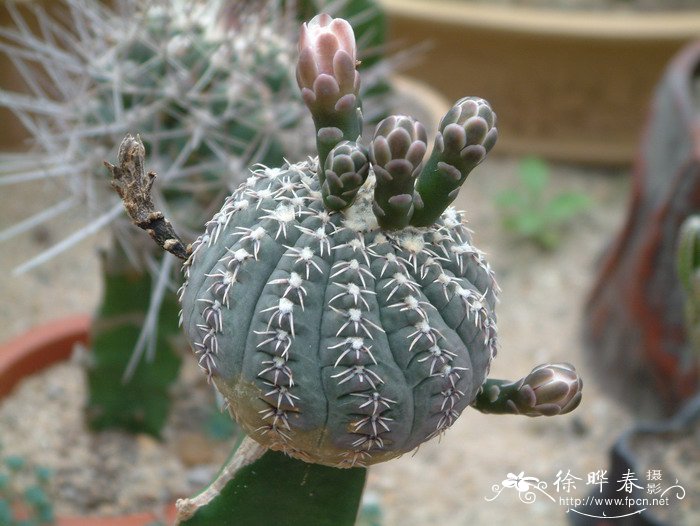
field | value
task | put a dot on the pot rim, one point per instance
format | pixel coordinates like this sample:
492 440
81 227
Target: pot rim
39 348
625 25
679 423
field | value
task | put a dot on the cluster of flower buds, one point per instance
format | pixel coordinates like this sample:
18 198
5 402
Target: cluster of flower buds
407 191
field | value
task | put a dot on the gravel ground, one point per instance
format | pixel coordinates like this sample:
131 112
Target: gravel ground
111 473
446 481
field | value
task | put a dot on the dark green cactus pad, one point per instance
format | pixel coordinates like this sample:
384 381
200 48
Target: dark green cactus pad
304 494
333 340
142 404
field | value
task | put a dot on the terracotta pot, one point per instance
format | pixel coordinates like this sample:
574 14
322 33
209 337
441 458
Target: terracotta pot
42 347
566 85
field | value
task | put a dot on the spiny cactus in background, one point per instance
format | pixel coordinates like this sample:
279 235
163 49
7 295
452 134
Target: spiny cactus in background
207 103
210 86
341 309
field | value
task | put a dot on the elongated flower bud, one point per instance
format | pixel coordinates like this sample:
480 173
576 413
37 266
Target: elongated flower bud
397 152
330 339
329 83
549 390
465 135
468 129
326 69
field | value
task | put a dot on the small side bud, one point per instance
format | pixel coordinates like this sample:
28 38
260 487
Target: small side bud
549 390
396 152
552 389
346 169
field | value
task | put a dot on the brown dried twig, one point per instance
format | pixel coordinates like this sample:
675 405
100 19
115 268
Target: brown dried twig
133 185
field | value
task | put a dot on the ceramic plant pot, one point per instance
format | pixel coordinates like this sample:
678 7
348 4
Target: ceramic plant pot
671 448
570 86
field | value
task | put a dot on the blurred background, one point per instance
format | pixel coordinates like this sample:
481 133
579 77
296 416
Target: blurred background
582 209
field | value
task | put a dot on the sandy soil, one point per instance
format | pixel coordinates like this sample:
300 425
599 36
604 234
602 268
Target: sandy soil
445 482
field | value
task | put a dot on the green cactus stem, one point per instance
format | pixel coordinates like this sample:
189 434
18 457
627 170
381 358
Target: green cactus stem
549 390
304 494
465 135
397 152
329 82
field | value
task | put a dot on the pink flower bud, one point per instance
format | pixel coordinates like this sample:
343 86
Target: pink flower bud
326 69
552 389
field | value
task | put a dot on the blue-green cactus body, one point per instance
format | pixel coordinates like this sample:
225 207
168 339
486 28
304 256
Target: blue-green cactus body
333 340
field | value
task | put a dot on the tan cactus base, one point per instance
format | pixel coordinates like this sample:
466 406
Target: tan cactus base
242 410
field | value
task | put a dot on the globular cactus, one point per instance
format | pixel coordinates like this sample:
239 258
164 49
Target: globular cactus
332 339
348 336
341 309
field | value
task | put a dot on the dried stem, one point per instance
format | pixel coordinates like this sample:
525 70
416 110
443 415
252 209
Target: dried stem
134 187
247 453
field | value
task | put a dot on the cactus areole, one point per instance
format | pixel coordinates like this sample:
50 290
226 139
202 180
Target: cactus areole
339 304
